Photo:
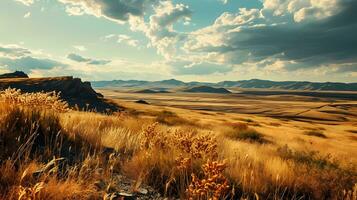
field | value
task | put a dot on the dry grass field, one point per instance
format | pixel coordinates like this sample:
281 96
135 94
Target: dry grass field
181 146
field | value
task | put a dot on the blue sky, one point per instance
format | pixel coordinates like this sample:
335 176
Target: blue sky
190 40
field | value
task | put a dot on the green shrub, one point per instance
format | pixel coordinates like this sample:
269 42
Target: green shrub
172 119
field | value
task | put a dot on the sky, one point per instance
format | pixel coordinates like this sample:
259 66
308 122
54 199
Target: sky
189 40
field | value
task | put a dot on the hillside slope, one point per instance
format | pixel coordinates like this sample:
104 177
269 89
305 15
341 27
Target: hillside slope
73 90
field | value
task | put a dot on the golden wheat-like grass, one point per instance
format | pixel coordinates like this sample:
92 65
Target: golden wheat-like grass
179 160
49 100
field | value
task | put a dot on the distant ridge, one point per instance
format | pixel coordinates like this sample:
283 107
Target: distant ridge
207 89
246 84
290 85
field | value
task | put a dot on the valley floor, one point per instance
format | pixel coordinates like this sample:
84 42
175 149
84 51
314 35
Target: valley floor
284 119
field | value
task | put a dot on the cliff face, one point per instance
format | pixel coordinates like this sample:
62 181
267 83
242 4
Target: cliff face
73 90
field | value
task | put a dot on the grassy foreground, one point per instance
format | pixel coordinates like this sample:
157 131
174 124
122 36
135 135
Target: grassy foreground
48 151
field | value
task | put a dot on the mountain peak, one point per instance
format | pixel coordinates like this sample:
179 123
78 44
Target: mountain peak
172 82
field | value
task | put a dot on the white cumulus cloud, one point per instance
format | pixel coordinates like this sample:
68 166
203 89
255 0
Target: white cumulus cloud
26 2
80 47
122 39
27 15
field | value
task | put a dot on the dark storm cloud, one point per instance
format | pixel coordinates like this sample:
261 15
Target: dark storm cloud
122 9
28 63
79 58
118 10
332 40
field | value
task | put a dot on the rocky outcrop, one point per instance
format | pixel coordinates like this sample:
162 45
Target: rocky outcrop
16 74
73 90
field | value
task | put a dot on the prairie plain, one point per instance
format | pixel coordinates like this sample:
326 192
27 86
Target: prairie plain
285 117
199 146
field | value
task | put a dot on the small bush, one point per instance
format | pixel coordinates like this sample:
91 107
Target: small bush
311 158
172 119
248 120
250 135
241 131
214 185
316 133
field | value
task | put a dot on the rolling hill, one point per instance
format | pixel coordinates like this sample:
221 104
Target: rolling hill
206 89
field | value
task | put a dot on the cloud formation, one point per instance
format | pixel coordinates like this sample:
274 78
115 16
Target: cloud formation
80 47
27 15
90 61
158 27
249 36
26 2
28 63
278 36
122 39
14 57
200 68
13 51
302 10
119 10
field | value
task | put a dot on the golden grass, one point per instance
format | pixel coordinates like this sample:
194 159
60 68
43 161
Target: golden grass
66 155
50 100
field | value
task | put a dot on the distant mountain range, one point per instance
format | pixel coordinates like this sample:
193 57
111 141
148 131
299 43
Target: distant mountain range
245 84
